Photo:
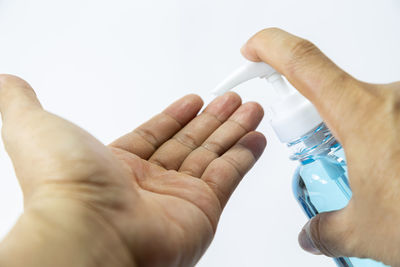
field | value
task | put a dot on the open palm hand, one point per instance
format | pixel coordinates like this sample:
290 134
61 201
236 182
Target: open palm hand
156 193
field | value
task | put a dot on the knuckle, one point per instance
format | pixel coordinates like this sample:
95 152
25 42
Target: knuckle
214 147
160 162
345 80
147 135
187 139
302 48
299 51
236 165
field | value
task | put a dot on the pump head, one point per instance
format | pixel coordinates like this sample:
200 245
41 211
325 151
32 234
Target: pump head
293 115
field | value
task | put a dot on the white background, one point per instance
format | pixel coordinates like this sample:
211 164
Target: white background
110 65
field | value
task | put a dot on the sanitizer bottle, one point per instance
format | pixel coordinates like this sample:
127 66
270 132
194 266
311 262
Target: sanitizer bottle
320 183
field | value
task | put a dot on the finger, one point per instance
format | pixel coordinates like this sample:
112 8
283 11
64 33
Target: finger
173 152
145 139
328 233
334 92
18 103
245 119
224 173
45 147
17 98
19 107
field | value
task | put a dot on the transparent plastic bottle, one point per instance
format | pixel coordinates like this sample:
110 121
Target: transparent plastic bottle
320 183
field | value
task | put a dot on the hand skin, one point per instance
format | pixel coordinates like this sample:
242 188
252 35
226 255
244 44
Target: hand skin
365 118
151 198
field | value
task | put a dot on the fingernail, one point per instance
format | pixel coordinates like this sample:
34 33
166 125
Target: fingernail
306 242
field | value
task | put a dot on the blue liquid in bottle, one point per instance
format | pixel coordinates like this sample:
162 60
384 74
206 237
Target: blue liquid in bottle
320 183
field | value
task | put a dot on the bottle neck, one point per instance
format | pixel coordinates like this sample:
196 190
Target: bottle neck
318 141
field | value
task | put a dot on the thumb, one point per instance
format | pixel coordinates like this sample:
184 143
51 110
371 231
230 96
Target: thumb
334 93
43 146
16 97
18 104
18 107
328 233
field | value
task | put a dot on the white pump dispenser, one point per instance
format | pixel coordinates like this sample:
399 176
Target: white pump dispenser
293 115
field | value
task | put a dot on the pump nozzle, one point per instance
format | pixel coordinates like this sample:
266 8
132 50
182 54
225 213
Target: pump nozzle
248 71
252 70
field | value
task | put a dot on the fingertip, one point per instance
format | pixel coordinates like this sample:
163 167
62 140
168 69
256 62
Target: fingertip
9 78
232 97
258 109
195 99
223 106
249 52
249 115
306 242
255 142
191 100
256 44
9 82
185 109
16 92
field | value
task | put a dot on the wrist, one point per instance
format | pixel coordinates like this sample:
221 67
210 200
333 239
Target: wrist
63 233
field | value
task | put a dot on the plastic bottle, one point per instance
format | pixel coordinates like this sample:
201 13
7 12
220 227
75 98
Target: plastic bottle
320 183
